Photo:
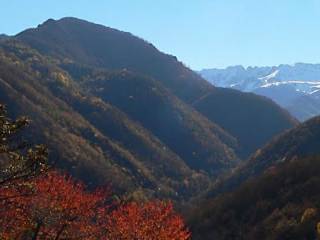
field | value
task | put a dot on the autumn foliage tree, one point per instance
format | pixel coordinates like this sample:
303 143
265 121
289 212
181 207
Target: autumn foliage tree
154 220
61 208
58 208
38 204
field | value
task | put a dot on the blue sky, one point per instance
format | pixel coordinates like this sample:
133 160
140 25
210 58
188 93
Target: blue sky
201 33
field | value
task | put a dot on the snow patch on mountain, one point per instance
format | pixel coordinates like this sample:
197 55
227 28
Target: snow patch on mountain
285 84
300 86
270 76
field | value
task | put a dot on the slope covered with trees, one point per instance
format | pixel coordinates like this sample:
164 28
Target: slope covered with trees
252 119
275 195
38 203
91 138
299 142
101 47
282 203
201 143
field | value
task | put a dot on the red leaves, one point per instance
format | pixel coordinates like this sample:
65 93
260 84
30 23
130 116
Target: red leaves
13 218
64 207
149 221
57 208
54 206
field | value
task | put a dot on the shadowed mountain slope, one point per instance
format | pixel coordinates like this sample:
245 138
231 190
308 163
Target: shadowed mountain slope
282 203
275 195
252 119
298 142
202 144
82 42
89 137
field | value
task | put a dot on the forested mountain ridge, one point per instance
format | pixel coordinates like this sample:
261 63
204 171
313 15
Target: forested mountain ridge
121 152
282 203
274 195
251 119
299 142
103 47
93 45
112 108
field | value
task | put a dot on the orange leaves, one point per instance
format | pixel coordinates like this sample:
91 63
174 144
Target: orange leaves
57 208
53 206
154 220
13 217
63 207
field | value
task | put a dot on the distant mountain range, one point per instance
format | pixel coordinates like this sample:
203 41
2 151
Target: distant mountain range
294 87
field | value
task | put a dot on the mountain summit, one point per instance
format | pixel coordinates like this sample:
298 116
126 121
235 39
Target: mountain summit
96 46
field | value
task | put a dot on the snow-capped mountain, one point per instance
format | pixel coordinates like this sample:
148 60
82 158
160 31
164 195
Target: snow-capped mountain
295 87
